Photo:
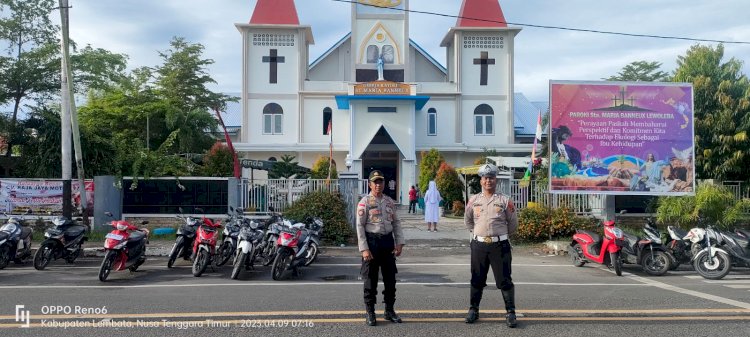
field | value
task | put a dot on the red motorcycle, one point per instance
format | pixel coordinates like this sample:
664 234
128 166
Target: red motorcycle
125 247
588 246
204 245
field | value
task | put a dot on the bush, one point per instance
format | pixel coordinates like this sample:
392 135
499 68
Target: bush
715 204
537 224
320 169
428 168
328 206
219 161
458 208
451 188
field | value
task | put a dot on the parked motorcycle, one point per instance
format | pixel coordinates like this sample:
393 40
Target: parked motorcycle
683 245
64 240
15 241
297 246
125 247
250 238
588 246
230 236
204 247
185 237
647 251
273 226
714 261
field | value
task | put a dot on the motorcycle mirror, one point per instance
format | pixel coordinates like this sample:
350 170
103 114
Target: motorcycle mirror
109 214
231 209
270 208
199 210
623 211
144 222
180 209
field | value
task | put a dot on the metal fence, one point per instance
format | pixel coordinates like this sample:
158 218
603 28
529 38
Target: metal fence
260 194
537 192
738 188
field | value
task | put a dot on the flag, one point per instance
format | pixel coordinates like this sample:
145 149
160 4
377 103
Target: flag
537 137
330 149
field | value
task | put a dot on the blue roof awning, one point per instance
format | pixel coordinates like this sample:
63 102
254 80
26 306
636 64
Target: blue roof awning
419 101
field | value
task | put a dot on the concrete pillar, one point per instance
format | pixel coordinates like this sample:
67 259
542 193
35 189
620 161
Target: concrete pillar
349 189
234 193
108 198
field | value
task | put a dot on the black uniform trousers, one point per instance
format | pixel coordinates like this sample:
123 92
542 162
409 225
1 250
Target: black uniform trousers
381 248
496 255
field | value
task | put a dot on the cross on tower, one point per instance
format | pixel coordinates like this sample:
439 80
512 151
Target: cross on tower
274 60
483 61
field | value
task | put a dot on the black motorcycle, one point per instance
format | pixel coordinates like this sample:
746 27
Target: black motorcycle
183 245
647 251
274 226
64 240
230 236
15 241
250 238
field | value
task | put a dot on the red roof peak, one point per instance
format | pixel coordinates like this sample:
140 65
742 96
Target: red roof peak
275 12
487 11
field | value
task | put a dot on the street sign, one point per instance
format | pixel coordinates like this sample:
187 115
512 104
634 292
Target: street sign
257 164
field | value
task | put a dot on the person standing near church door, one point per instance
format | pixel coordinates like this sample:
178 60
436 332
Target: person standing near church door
412 200
432 206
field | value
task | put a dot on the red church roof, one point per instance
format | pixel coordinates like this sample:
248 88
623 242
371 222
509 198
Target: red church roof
275 12
488 11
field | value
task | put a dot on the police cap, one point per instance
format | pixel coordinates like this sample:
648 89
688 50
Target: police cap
487 170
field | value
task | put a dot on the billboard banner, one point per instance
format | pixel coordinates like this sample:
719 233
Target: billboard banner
621 138
41 196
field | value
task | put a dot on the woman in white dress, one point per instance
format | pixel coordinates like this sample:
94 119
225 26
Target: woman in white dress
432 206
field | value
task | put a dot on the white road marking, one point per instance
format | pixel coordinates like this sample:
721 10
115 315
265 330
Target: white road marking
738 286
728 277
684 291
303 284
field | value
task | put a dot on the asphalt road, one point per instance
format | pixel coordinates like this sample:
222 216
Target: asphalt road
553 299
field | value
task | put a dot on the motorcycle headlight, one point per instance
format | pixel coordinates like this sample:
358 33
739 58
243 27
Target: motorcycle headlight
618 233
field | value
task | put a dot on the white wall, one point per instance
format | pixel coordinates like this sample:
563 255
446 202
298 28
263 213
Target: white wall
313 121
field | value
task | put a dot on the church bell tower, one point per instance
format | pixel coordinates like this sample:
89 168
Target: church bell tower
380 32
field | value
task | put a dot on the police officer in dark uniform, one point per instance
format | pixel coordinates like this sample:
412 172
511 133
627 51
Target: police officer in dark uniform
491 218
380 240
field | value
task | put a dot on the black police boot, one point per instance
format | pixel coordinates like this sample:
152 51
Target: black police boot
510 307
475 298
390 314
370 316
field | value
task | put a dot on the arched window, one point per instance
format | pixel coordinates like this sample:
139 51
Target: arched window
431 122
389 54
327 116
372 53
483 120
273 115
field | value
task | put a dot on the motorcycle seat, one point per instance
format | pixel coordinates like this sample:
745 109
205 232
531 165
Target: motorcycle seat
74 231
136 236
594 236
632 239
681 233
742 241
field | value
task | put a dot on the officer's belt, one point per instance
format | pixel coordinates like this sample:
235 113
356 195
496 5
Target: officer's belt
377 235
491 239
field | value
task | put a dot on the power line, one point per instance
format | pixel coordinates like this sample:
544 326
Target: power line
552 27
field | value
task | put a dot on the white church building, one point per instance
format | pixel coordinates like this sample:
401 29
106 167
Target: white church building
385 97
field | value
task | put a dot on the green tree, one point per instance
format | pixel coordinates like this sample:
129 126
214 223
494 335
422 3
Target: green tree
450 186
286 168
714 204
29 68
319 169
218 161
428 168
641 71
722 112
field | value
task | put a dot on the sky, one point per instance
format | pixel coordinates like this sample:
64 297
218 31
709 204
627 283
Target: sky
142 28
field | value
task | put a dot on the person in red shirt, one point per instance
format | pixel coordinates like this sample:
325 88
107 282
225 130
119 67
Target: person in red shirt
412 200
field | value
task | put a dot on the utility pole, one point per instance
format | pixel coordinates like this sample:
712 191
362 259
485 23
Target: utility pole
72 106
67 135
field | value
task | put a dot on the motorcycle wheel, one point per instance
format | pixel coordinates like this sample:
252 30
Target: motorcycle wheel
712 270
106 266
200 263
576 255
616 262
225 253
74 255
174 253
270 254
280 265
656 264
43 256
138 263
4 256
312 254
239 262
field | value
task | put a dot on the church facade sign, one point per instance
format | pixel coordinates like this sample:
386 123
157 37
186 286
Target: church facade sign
622 138
382 88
